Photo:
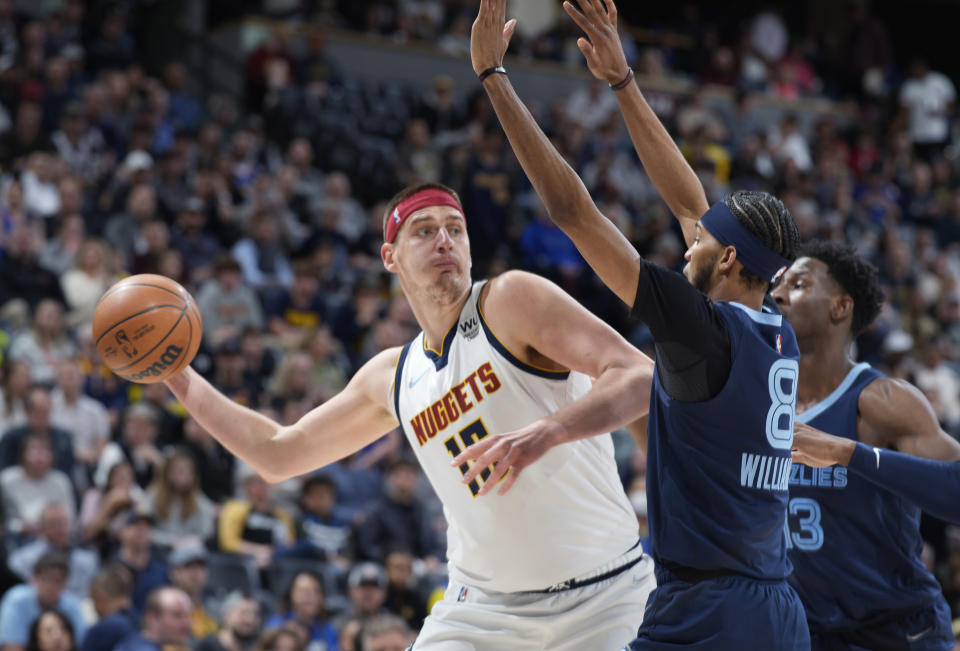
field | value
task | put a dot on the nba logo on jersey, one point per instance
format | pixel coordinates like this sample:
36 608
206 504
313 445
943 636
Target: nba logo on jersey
779 344
470 328
463 594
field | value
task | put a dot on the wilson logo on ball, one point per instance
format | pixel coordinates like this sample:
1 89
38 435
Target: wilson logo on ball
167 359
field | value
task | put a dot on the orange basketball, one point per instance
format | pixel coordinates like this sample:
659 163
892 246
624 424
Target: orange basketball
147 328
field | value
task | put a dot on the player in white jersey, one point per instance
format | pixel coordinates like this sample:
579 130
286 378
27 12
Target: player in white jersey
553 564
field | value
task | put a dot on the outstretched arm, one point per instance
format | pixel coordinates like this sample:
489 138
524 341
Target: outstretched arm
352 419
665 165
568 203
566 335
894 414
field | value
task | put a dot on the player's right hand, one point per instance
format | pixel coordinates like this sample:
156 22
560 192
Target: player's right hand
603 50
508 453
818 449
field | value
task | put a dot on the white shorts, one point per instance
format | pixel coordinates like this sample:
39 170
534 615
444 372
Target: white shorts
597 617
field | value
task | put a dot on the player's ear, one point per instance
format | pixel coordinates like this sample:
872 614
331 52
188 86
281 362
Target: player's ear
841 307
727 258
386 254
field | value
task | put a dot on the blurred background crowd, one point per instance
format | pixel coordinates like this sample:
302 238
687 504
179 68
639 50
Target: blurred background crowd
126 525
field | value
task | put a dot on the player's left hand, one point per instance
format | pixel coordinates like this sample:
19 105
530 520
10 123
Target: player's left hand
508 453
818 449
602 49
490 35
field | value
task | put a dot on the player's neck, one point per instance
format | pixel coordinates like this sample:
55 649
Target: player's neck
436 318
824 362
734 291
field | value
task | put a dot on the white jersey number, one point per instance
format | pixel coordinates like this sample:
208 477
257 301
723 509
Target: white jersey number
782 383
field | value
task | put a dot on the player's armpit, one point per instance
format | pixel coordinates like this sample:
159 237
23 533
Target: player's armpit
894 413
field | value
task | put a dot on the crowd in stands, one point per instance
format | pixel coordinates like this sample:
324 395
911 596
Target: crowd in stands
126 525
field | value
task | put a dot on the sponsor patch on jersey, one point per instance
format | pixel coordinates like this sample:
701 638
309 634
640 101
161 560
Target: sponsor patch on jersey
470 328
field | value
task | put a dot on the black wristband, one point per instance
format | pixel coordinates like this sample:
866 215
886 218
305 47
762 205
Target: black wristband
490 71
620 85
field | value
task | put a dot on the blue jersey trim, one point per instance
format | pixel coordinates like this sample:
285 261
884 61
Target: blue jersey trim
513 359
396 383
440 359
837 393
760 317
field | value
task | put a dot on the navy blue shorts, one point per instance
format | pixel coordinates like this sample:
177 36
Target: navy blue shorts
926 629
726 613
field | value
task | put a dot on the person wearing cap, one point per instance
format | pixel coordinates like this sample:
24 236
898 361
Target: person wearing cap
188 571
136 553
22 604
725 391
514 354
367 589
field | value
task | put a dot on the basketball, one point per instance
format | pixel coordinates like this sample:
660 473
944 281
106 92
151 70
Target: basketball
147 328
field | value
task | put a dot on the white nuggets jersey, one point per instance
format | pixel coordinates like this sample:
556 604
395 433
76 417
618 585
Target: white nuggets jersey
566 514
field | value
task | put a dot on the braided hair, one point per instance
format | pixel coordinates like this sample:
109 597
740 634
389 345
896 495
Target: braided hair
770 222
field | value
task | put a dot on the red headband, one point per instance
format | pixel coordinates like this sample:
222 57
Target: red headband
413 203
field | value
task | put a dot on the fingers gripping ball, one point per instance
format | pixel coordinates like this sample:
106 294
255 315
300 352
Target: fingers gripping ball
147 328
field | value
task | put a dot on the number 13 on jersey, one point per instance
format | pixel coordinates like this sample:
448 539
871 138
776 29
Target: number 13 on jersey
469 435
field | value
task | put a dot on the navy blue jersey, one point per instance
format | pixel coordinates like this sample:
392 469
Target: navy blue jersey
855 547
717 470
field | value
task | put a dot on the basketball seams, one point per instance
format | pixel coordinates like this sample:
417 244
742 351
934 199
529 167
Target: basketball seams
133 316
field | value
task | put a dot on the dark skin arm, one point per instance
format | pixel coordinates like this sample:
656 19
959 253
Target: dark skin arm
893 414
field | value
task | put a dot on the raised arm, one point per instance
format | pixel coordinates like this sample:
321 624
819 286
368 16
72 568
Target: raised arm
559 332
924 471
568 203
669 171
352 419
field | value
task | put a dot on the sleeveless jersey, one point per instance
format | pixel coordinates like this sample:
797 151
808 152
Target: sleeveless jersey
566 515
717 470
855 547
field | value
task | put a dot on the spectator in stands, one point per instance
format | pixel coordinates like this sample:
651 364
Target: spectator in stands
251 525
303 604
137 445
38 416
262 256
74 411
44 345
402 600
287 638
397 518
13 395
188 570
227 305
240 625
32 485
166 622
22 604
51 631
91 276
293 312
105 510
23 277
214 463
927 100
135 553
182 513
59 252
125 230
189 237
55 533
367 586
330 369
386 633
231 373
323 531
110 593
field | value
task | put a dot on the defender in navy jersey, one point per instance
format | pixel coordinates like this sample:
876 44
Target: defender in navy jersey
722 406
855 546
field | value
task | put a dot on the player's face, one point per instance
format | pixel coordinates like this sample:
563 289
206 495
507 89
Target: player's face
702 259
431 253
805 294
